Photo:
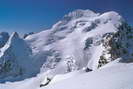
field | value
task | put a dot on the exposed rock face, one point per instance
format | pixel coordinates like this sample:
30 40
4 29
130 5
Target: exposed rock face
118 45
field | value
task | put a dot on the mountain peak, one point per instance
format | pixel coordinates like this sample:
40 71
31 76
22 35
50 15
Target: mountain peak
81 13
13 39
4 33
15 34
112 14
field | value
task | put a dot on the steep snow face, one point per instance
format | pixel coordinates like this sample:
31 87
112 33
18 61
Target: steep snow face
4 36
14 59
74 42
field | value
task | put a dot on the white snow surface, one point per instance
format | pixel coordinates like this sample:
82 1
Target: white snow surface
118 76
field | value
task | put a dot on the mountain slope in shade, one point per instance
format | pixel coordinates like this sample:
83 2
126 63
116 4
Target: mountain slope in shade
14 58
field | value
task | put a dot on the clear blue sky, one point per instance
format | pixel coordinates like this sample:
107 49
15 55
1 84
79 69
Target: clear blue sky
36 15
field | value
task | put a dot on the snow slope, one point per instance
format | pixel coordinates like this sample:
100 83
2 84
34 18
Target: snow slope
117 76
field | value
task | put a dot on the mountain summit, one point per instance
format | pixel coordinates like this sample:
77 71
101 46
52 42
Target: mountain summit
80 13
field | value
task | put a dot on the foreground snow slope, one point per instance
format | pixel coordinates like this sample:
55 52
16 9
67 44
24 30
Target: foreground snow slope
116 76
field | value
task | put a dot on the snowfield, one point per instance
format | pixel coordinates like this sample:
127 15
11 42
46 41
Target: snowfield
117 76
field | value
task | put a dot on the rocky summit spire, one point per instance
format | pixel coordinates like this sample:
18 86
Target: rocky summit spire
15 35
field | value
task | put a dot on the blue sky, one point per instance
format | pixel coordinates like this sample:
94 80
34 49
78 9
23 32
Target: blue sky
35 15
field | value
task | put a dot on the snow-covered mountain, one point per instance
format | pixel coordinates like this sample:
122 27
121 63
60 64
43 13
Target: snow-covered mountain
14 58
4 36
81 39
